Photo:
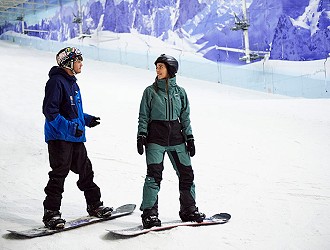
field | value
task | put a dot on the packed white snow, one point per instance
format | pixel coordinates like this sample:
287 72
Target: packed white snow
260 157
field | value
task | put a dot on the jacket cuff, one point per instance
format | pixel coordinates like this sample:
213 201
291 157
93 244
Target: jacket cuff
142 134
88 119
190 137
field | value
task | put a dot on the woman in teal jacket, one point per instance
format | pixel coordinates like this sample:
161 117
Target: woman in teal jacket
164 126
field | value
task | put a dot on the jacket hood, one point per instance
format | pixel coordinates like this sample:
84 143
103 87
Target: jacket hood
56 70
161 83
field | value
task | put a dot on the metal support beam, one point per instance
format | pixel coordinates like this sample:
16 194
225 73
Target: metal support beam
10 9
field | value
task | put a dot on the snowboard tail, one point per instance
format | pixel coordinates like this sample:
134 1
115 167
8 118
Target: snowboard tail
79 222
138 230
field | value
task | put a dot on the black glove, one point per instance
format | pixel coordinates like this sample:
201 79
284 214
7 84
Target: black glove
191 146
141 141
94 122
78 131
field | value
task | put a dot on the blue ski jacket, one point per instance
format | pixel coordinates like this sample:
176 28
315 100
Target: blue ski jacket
62 107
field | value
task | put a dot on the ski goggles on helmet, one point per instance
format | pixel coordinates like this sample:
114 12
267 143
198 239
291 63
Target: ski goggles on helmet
69 54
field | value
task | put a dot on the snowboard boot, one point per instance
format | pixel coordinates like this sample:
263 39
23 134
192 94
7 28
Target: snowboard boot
192 214
52 219
150 219
98 210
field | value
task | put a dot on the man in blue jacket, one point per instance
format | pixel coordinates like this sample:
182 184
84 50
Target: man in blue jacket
65 135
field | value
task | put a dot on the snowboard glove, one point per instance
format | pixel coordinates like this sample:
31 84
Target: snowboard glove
141 141
94 122
78 131
191 145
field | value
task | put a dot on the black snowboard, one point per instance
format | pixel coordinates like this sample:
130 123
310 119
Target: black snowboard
82 221
138 230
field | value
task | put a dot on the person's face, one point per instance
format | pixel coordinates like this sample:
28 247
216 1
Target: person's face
77 66
161 71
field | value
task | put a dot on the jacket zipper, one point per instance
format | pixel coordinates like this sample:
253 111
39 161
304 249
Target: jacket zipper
74 102
168 104
166 111
172 109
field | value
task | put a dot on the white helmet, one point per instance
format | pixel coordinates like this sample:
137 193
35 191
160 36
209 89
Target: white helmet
67 56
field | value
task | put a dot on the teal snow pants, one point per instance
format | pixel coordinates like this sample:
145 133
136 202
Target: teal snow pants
180 160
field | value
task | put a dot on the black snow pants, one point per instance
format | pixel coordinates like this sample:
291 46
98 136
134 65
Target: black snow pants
63 157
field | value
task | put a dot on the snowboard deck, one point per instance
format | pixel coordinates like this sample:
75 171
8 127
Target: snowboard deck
138 230
79 222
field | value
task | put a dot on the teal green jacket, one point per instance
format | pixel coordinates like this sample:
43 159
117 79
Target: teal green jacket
164 116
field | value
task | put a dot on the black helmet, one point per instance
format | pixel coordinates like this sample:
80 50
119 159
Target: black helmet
67 56
171 63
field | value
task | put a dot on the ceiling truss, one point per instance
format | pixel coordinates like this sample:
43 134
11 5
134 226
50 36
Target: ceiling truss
12 10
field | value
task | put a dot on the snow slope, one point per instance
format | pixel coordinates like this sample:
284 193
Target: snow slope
263 158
